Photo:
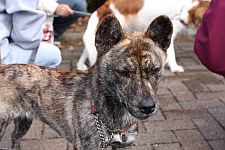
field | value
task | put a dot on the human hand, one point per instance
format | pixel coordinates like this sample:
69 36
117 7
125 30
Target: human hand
63 10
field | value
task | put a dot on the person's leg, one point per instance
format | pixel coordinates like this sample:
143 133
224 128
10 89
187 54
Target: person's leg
60 24
17 55
48 55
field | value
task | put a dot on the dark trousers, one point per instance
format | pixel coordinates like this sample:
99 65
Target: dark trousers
60 24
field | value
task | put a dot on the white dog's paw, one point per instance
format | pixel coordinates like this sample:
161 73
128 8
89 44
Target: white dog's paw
82 67
176 68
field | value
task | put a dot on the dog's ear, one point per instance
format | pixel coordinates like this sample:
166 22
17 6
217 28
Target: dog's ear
108 34
160 31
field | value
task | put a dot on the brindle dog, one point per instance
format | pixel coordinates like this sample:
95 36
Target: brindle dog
93 109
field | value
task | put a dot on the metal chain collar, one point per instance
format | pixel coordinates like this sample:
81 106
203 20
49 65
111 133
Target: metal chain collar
100 125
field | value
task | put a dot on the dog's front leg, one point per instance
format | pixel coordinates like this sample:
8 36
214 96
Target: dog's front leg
75 147
22 125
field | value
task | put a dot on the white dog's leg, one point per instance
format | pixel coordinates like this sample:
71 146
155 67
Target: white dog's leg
92 55
174 67
81 62
171 58
89 43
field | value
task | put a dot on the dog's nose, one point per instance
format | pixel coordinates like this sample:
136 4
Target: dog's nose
147 106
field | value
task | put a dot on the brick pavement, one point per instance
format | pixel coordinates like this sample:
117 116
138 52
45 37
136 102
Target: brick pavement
190 117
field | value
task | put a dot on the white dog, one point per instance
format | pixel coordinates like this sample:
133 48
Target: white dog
135 15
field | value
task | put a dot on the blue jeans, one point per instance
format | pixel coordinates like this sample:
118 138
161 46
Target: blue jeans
60 24
47 55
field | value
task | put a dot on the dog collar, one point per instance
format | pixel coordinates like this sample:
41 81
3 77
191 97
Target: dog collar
93 108
106 139
101 127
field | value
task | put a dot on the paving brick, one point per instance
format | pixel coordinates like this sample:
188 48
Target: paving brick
171 146
195 67
155 137
209 79
141 126
168 102
180 91
168 73
219 77
212 103
46 144
210 129
163 91
67 54
157 116
188 61
216 87
69 146
5 144
167 125
35 131
186 114
217 144
195 85
190 105
49 133
191 140
6 139
222 99
218 114
210 95
143 147
65 67
8 131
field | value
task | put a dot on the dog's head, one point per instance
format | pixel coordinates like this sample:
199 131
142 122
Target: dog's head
192 13
131 66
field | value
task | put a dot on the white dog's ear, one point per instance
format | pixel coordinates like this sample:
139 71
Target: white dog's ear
160 31
108 34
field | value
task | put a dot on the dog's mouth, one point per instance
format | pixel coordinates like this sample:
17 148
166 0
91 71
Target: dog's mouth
126 137
137 113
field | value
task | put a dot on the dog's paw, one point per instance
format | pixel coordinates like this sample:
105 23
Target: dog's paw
82 67
176 68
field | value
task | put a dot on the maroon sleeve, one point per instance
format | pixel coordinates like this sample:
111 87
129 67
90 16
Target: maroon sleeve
209 43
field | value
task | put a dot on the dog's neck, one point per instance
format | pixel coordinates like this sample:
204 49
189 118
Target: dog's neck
109 107
113 125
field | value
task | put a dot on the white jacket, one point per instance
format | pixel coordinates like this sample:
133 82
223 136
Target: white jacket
49 6
20 24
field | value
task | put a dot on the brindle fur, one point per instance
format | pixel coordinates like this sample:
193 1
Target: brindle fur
122 86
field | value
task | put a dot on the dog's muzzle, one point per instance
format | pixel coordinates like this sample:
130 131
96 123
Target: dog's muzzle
124 139
144 109
147 106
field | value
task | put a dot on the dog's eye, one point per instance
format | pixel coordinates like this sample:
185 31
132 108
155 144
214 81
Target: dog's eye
153 70
124 72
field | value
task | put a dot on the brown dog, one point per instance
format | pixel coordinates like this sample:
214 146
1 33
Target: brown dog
92 109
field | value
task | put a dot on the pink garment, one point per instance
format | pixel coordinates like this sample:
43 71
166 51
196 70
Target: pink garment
210 38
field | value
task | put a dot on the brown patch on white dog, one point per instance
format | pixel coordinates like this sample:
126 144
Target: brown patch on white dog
132 7
196 13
